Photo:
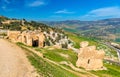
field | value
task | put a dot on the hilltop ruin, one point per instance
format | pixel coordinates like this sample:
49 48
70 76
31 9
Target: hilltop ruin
90 58
30 38
37 38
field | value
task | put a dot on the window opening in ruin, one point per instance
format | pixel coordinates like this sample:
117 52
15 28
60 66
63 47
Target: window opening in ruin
43 44
35 43
25 39
88 61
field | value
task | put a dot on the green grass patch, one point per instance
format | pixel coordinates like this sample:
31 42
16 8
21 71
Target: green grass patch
109 51
48 69
45 68
78 39
92 41
112 71
70 30
55 55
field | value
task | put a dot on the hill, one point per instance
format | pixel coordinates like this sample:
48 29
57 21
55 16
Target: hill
53 36
60 62
51 61
105 29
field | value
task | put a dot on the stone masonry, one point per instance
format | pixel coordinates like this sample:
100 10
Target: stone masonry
90 58
30 38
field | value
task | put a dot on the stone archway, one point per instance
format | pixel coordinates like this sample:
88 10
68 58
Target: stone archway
19 38
25 39
35 42
88 61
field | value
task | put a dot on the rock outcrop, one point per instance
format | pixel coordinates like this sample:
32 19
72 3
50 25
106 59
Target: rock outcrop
90 58
57 39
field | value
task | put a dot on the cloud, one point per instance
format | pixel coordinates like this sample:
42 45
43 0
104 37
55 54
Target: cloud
107 12
55 16
64 11
6 9
4 5
6 1
11 5
36 3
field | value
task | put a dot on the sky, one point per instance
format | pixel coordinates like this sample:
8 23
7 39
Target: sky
59 10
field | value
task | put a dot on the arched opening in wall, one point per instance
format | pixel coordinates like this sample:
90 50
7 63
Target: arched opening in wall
88 61
35 42
43 44
19 38
25 39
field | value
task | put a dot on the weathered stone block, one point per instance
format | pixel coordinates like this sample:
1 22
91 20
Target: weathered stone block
89 57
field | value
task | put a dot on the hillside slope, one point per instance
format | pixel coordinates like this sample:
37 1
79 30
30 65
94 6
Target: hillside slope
52 61
62 62
106 29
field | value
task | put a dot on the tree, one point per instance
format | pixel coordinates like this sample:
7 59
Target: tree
65 45
0 23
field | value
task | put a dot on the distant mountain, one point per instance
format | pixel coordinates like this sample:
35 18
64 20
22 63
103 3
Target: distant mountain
105 29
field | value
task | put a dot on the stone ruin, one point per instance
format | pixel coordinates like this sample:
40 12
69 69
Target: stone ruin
37 38
90 58
30 38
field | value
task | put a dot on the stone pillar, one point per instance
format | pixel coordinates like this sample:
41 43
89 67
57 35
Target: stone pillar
41 39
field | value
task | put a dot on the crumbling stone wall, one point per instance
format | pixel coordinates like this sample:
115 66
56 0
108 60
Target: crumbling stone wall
89 57
41 39
30 38
14 36
9 21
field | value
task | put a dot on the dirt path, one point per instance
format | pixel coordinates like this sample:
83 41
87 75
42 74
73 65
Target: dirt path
13 61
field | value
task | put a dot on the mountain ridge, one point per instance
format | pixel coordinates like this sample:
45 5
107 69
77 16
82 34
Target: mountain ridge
99 28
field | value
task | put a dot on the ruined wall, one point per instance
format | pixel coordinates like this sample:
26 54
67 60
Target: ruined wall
14 36
41 40
30 38
9 21
89 57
